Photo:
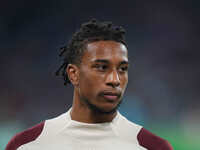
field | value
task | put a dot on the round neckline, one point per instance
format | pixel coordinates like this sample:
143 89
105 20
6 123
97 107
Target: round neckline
92 124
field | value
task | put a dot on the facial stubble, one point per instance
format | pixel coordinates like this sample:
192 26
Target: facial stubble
97 110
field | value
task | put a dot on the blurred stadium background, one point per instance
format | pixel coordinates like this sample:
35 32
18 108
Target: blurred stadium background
163 38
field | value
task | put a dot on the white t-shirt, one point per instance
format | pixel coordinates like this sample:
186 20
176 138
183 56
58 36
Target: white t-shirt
63 133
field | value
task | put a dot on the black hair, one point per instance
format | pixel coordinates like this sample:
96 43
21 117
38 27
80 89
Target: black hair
90 31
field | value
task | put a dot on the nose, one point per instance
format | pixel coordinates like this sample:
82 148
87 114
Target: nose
113 79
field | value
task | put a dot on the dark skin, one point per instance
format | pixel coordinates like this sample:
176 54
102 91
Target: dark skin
103 70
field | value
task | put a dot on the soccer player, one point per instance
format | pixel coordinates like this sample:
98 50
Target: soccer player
96 64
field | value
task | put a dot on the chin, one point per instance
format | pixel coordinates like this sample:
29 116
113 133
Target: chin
100 110
105 109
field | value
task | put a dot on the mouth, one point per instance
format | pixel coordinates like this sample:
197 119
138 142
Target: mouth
111 96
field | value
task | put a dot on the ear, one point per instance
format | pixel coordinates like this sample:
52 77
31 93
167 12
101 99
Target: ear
73 74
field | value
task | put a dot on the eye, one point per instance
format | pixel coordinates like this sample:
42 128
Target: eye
123 69
101 67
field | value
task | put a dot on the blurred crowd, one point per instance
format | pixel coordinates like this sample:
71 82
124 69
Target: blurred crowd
163 45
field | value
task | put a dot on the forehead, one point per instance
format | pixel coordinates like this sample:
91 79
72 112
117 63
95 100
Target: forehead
108 50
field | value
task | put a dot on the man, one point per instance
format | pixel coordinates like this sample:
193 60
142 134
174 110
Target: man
96 64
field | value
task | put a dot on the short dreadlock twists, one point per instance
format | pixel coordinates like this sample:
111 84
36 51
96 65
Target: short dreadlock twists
89 32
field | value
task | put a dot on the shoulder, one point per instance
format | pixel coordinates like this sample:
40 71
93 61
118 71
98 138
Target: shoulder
151 141
129 125
139 135
127 129
25 137
38 134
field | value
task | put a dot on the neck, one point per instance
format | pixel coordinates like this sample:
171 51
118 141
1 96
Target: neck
82 113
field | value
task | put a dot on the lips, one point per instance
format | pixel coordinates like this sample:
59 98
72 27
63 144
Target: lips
111 96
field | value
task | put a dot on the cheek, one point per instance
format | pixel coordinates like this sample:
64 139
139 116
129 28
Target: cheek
124 81
89 84
91 78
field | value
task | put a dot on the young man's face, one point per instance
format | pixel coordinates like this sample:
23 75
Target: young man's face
103 75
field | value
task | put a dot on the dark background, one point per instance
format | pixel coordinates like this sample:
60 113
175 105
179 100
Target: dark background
163 39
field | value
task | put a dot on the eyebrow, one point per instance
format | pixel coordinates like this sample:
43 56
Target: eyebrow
107 62
124 62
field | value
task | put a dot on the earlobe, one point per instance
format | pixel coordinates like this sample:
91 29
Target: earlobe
73 74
